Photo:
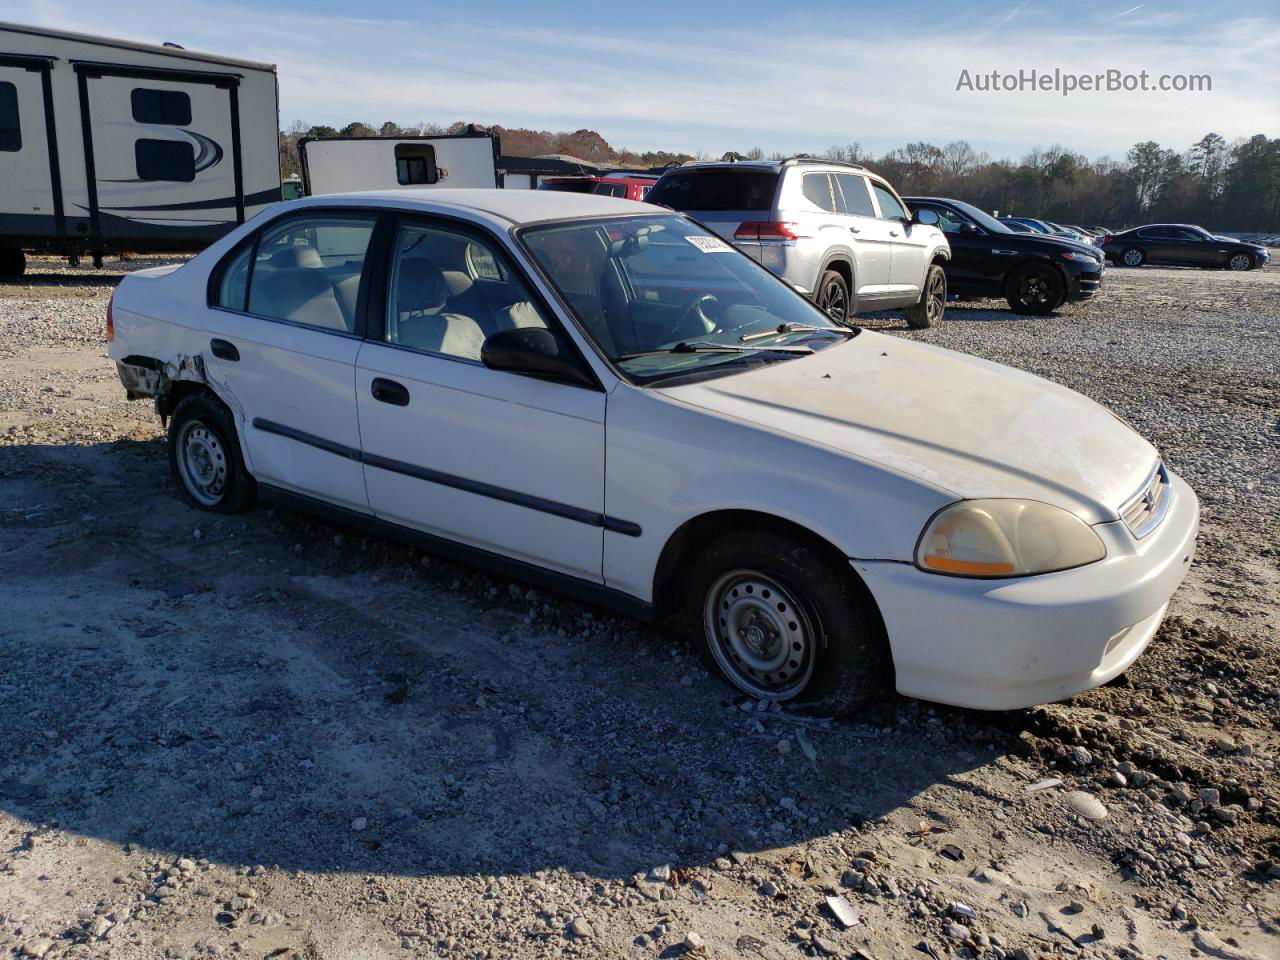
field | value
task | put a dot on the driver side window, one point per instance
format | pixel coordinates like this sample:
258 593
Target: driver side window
890 208
449 291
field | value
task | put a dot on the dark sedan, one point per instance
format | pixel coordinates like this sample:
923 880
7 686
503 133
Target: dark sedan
1034 272
1182 245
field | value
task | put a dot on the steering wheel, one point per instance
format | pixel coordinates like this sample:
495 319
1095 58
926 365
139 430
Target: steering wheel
695 321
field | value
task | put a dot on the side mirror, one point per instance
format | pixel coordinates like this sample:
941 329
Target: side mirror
968 228
928 218
535 351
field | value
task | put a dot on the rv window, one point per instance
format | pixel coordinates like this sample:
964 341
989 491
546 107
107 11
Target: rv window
165 160
416 163
161 106
10 129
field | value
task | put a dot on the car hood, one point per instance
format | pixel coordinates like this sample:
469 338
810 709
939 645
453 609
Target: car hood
967 426
1055 244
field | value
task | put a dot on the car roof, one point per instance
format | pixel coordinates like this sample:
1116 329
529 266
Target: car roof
503 208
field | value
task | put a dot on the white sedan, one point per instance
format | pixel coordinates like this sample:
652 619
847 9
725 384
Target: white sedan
604 398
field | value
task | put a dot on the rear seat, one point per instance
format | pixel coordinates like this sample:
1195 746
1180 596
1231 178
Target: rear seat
294 285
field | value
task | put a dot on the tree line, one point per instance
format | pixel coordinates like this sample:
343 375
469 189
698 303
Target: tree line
1218 184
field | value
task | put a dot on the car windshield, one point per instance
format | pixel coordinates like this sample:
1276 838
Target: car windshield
663 298
981 218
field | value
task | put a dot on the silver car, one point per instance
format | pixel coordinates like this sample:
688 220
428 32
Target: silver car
835 231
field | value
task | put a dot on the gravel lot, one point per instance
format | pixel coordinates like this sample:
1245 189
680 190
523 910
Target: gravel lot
264 736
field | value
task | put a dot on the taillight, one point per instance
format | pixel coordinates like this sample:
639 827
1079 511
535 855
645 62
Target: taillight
111 323
766 230
1106 239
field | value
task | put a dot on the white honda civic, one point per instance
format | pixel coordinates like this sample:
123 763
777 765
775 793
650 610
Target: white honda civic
602 397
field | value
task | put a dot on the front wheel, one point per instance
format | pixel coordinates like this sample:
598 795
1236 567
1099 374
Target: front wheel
1036 289
204 455
833 296
779 621
1240 261
933 301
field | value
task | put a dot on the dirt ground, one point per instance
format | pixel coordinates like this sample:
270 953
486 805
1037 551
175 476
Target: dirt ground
268 737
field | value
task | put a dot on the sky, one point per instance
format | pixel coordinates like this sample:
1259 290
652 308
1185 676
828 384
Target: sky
707 77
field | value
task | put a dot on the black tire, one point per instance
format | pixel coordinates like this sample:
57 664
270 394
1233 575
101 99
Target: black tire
13 264
782 595
933 301
1036 289
832 296
1135 254
202 435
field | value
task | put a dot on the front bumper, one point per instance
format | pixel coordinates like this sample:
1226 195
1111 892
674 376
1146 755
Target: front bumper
1004 644
1086 283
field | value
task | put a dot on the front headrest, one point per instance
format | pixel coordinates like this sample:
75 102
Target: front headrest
421 286
457 282
297 257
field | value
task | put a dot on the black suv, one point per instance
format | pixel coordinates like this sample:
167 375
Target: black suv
1034 272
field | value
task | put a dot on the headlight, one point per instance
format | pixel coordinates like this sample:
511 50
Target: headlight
1076 255
1005 538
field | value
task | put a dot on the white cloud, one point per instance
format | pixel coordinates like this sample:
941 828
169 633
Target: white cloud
786 89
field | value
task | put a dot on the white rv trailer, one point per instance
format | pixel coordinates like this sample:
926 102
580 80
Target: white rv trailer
111 145
345 164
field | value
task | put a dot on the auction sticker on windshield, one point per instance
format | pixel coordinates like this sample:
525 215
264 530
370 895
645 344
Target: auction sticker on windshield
710 244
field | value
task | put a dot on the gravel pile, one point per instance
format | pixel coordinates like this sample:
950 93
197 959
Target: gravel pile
265 736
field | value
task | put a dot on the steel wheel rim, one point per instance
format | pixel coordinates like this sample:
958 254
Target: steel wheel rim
937 296
1240 261
833 301
760 634
202 462
1132 258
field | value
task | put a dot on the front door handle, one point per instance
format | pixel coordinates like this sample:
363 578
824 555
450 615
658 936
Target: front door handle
224 350
388 391
855 229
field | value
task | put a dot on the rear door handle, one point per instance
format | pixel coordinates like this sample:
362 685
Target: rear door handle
855 229
224 350
893 233
388 391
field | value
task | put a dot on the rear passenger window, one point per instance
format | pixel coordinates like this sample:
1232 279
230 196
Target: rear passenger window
817 190
10 128
857 198
161 106
307 271
165 160
434 304
890 208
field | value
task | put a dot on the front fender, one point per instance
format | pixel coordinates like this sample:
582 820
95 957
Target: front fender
668 462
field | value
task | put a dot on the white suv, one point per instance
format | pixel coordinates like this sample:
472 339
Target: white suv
835 231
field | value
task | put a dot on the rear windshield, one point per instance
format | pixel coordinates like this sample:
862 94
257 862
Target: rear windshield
570 186
717 189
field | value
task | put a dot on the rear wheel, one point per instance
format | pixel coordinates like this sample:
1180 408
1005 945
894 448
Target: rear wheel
1240 261
204 455
1133 257
933 301
13 263
1035 289
780 622
833 296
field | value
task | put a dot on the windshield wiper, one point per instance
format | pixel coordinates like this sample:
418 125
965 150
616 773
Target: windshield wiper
784 328
707 346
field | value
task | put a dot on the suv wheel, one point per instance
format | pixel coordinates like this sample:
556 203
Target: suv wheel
833 296
1036 289
780 622
204 455
933 301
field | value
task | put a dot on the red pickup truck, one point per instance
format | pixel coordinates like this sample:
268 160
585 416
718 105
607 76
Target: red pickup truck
632 186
